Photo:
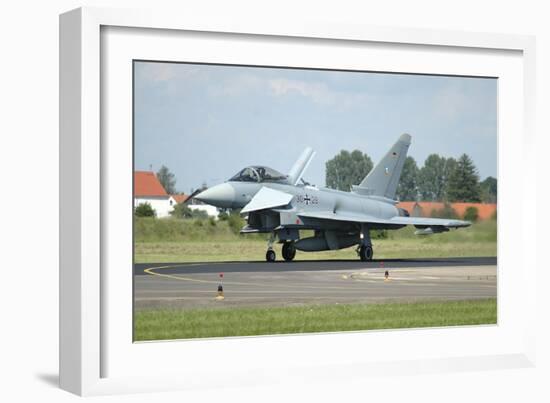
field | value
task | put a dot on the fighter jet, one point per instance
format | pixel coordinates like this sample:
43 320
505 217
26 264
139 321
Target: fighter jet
282 205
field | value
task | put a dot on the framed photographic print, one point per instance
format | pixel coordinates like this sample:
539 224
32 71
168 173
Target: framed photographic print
262 193
258 251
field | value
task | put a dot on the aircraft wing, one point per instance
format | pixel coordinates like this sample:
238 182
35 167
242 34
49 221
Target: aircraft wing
267 198
398 220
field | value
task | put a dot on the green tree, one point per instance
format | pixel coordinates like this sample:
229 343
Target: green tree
144 210
489 190
471 214
347 169
431 178
407 189
223 216
448 169
379 234
182 210
167 179
235 221
464 182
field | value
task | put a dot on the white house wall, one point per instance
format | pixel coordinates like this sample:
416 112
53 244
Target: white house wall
162 205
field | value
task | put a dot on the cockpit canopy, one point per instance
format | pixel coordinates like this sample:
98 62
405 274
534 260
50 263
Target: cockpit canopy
259 174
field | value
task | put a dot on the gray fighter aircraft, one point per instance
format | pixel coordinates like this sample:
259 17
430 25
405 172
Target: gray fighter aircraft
282 205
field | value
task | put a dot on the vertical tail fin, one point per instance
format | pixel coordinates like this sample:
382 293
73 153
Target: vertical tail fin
384 177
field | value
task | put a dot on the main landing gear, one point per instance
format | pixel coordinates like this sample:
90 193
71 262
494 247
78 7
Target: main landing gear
289 250
364 249
365 252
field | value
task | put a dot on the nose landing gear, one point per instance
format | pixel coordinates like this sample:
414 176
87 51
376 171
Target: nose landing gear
289 250
270 255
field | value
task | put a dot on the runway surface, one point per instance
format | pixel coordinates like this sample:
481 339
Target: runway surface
313 265
194 285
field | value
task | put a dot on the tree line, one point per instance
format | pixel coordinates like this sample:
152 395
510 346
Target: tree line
439 179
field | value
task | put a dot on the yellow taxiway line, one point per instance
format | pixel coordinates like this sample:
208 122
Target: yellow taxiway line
151 271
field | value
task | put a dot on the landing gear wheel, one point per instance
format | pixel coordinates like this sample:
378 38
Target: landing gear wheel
289 251
365 253
270 255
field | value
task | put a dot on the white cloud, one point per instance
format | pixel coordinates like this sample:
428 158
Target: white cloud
246 83
160 72
241 84
317 92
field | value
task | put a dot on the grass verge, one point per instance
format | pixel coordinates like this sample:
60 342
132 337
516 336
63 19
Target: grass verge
171 240
243 250
198 323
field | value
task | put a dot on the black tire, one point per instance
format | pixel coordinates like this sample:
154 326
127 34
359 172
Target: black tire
366 253
270 256
289 251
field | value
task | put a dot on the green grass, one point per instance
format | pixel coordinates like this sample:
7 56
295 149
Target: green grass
148 229
222 322
173 240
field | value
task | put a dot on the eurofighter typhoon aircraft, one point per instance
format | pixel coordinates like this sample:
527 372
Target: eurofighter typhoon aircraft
284 204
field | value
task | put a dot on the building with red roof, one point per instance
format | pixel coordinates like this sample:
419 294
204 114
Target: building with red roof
147 184
148 189
180 198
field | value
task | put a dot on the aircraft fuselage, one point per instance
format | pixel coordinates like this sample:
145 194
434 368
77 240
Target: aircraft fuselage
305 198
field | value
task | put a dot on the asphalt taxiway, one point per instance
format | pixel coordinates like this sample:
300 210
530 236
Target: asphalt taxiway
193 285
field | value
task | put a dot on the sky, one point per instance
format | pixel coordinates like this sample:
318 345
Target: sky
206 122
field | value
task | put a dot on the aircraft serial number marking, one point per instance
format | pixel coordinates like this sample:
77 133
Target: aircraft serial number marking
306 199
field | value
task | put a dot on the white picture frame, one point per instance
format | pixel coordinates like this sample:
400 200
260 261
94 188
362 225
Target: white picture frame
93 353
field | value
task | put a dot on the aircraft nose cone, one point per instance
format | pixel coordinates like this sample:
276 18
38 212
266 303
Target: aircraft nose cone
222 195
